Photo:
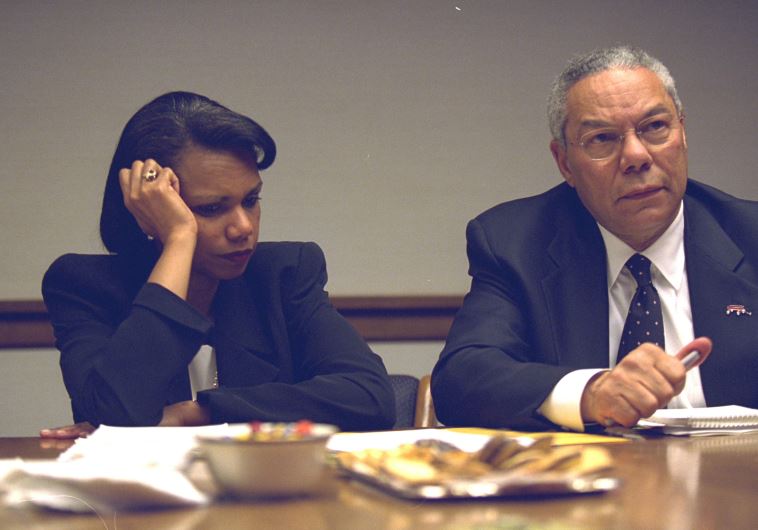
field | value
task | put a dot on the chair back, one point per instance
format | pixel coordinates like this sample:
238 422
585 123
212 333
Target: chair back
406 390
425 415
413 402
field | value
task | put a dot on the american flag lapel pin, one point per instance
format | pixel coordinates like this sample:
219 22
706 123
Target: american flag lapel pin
737 309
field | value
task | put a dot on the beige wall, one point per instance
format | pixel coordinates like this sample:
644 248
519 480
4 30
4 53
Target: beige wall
396 120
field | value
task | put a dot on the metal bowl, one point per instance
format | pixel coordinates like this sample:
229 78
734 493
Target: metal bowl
245 466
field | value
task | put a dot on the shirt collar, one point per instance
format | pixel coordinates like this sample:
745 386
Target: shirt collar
666 253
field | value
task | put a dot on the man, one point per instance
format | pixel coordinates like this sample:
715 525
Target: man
538 340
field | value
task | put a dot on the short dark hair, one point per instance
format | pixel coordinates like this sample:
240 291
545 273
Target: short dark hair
162 130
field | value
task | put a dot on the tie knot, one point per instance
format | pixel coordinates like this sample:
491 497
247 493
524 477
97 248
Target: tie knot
639 266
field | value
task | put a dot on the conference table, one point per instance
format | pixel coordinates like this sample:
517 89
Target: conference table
667 482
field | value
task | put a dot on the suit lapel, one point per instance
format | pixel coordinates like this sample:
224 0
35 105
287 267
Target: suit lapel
244 352
180 389
713 265
576 291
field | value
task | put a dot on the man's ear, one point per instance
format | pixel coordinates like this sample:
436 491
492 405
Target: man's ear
561 160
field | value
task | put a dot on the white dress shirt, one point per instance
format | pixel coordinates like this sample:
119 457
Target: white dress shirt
202 370
669 276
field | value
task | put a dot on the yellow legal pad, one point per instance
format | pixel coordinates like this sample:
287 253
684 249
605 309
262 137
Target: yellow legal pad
559 437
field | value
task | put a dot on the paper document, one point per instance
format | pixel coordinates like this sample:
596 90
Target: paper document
115 468
729 419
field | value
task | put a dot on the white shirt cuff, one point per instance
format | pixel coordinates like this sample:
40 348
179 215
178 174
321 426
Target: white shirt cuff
563 405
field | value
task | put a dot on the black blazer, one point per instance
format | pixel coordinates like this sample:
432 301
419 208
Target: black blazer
538 305
283 352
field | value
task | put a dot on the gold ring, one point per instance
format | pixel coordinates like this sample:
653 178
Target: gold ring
150 175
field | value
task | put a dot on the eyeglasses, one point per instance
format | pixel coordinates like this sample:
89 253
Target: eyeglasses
600 144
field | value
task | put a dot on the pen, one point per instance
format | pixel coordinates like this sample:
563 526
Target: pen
691 359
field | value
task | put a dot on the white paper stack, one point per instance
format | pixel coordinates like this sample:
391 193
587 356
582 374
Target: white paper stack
115 468
704 421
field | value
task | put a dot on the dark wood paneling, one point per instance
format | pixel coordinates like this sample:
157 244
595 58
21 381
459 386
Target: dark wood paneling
25 324
387 318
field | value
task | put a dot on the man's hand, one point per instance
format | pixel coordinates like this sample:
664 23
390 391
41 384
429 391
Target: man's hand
185 413
644 381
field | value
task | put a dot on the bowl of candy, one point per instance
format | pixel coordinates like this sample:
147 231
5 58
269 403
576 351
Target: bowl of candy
268 459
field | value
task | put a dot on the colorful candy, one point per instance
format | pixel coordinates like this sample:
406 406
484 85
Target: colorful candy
277 432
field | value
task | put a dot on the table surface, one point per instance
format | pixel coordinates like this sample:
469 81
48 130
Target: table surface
668 483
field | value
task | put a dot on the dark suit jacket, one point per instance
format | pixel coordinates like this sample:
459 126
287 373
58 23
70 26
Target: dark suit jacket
538 305
283 352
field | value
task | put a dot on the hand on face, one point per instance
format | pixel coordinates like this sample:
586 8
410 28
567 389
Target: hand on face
154 201
644 381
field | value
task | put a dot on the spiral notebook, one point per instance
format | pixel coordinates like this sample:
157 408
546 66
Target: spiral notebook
726 419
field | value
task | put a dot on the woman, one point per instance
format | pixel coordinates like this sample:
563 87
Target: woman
189 302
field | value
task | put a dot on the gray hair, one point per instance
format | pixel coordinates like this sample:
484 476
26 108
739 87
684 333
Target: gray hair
596 61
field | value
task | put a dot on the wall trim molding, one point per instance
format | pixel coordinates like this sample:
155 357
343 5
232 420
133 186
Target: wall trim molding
25 323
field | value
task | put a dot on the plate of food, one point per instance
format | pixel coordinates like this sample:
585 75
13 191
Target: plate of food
438 464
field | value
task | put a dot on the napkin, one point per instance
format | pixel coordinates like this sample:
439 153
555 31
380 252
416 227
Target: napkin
113 469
